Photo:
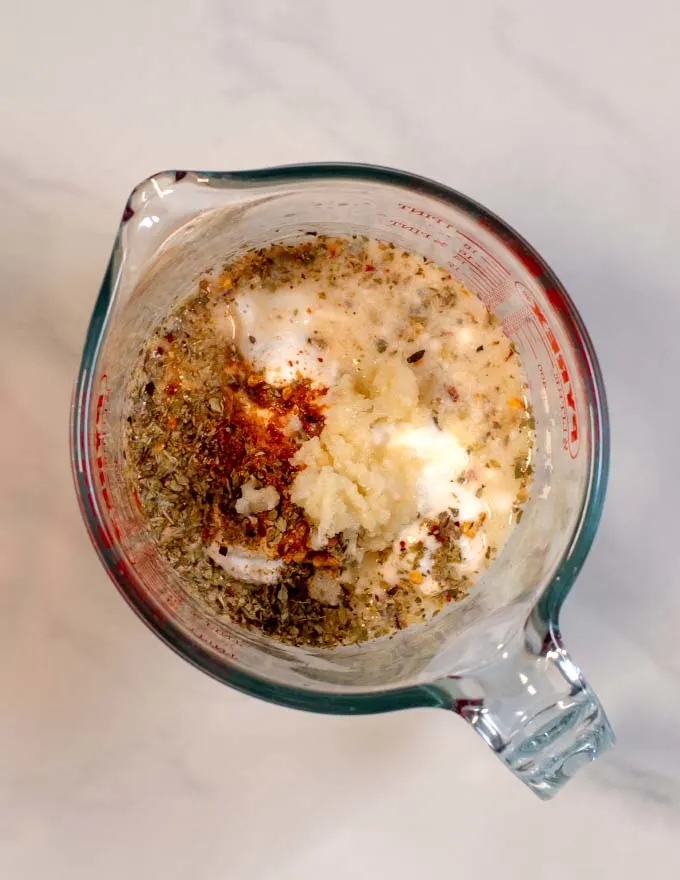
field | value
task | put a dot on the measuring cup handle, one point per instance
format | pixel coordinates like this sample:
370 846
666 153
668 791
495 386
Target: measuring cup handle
537 712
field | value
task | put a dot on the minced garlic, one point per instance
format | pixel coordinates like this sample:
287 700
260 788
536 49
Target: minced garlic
254 500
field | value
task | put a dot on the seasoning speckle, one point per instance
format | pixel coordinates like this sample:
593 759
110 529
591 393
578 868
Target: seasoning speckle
234 420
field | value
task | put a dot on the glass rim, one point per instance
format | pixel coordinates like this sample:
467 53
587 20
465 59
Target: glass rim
548 604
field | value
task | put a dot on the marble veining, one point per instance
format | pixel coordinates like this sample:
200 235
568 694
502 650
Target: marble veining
118 759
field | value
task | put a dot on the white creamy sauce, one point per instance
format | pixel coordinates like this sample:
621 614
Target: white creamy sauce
248 567
443 461
324 331
273 333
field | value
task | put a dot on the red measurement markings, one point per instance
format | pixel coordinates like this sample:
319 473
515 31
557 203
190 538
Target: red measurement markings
570 422
541 371
533 332
472 263
532 322
98 444
407 227
171 601
485 275
417 212
526 336
82 433
513 323
493 265
523 252
202 637
102 529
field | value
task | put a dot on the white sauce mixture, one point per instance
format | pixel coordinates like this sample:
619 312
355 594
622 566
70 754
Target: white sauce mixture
431 407
329 440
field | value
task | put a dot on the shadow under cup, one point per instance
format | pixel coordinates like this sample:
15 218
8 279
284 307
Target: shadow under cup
179 225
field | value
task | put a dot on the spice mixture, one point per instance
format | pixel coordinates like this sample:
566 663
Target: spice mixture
329 440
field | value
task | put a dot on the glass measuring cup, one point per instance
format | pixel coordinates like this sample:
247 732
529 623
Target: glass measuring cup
497 657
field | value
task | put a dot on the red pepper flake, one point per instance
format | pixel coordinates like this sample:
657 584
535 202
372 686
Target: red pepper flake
369 268
320 360
169 337
171 388
452 391
290 363
402 546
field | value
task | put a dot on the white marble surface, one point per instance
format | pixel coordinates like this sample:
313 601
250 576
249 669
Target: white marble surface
116 758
